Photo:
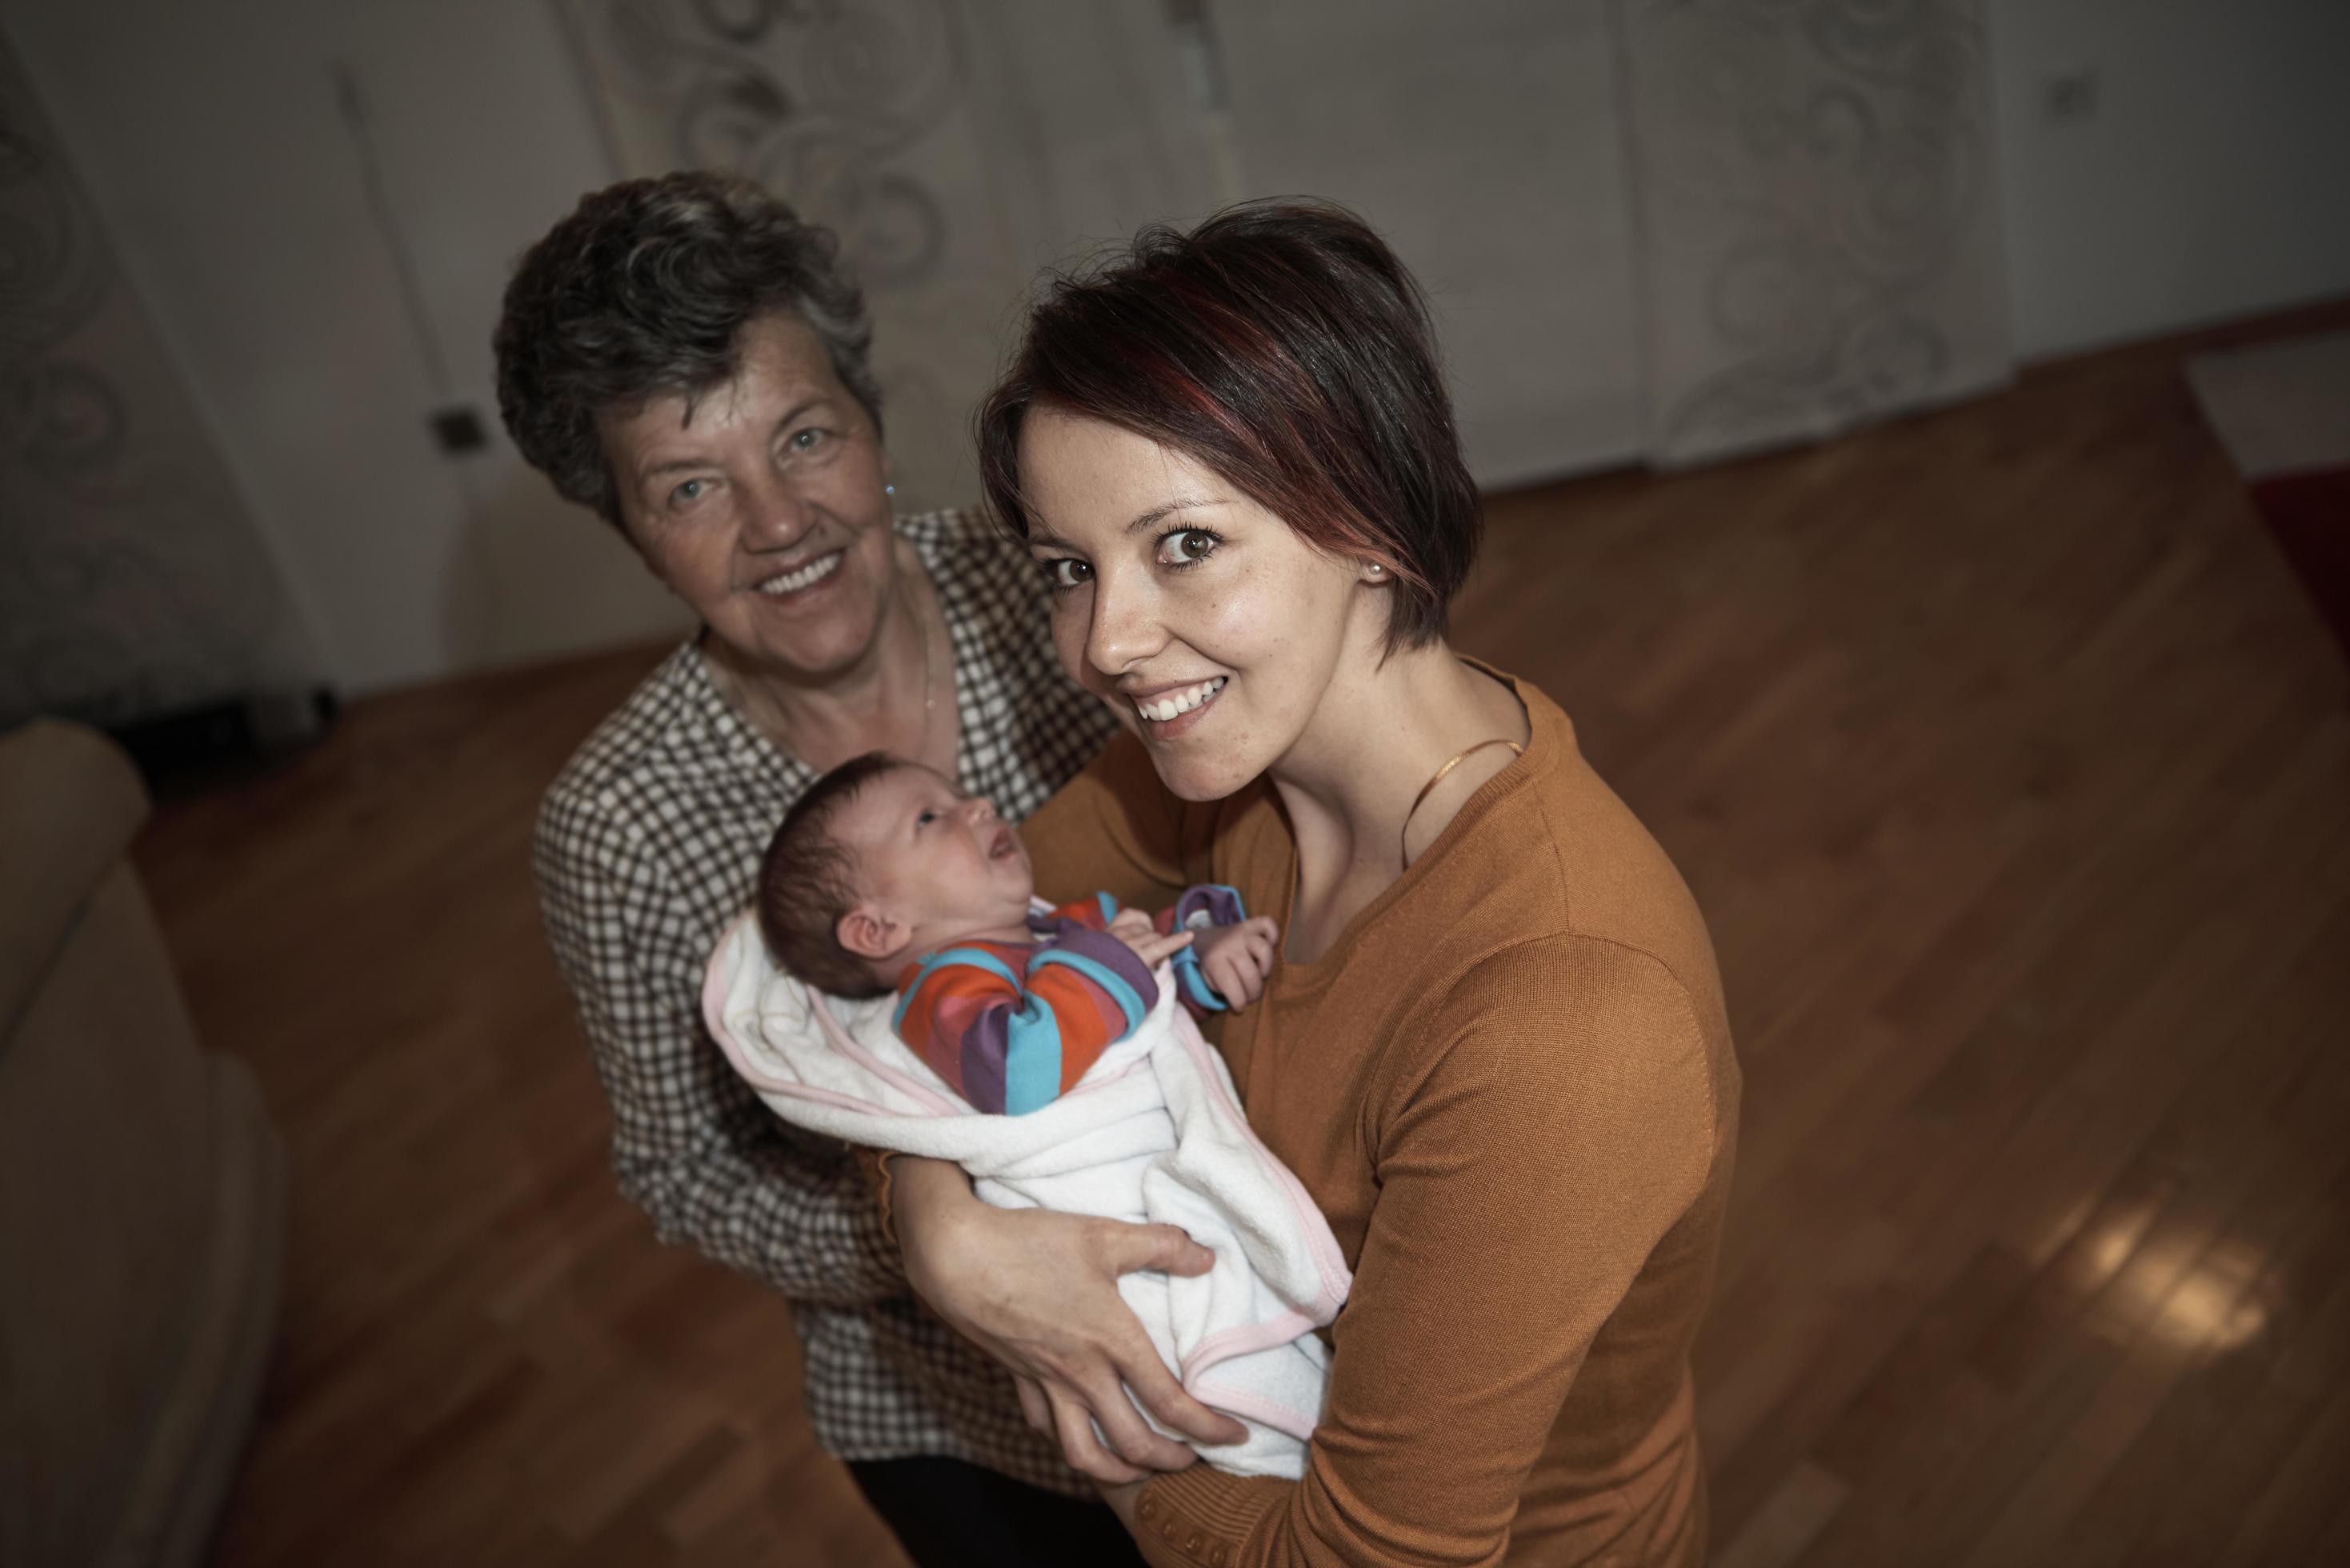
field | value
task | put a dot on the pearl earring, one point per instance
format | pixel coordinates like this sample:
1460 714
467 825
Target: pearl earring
888 490
1377 570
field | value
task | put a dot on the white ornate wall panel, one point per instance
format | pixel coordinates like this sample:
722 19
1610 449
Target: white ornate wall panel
1808 239
955 149
132 581
1815 186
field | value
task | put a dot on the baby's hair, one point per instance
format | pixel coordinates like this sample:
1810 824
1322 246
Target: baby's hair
807 882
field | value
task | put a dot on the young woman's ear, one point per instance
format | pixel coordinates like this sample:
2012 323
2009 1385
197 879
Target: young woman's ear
872 932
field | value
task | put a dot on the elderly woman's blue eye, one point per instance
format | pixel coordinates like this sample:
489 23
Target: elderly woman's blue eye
809 440
691 490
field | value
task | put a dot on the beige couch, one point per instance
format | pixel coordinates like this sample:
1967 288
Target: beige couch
143 1197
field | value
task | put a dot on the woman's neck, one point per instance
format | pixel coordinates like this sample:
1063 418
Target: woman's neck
883 700
1380 733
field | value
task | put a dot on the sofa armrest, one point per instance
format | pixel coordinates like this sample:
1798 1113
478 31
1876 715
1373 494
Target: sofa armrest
70 803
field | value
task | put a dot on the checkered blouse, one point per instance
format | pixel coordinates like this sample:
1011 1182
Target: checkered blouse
648 843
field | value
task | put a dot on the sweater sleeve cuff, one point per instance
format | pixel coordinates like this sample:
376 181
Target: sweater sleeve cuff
1201 1517
874 1164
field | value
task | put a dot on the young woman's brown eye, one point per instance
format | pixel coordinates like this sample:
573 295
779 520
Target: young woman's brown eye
1187 547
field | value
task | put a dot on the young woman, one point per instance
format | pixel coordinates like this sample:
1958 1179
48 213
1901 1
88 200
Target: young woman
1494 1048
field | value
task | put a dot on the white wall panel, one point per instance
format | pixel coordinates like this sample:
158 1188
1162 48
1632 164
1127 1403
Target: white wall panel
317 325
1819 208
2204 181
955 148
132 580
216 141
1483 139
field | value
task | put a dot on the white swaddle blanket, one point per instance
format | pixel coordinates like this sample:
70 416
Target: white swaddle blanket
1153 1132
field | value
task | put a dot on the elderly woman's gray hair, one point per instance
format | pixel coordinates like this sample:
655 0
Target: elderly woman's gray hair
643 291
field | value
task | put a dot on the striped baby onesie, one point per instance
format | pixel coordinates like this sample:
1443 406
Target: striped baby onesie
1010 1026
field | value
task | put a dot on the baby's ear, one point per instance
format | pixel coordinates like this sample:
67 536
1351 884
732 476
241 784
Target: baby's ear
872 932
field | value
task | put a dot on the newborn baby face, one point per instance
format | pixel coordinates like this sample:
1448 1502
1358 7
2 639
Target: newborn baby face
934 863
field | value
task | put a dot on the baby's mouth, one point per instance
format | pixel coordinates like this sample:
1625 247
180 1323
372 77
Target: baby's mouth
1004 844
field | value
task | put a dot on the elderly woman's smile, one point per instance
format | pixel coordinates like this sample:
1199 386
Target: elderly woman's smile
796 582
762 504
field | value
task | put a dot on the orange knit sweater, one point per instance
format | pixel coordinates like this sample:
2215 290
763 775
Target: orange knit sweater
1509 1083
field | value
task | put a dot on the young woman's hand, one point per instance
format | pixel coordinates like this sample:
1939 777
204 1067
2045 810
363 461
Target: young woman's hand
1038 1291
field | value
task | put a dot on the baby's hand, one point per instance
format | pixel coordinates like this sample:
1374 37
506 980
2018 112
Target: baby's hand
1237 958
1133 927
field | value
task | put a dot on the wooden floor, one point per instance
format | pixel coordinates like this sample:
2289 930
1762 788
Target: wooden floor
2013 775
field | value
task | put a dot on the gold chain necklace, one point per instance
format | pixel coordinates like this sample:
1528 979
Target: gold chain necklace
929 666
1438 777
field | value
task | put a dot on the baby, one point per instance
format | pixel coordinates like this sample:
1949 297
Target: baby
884 876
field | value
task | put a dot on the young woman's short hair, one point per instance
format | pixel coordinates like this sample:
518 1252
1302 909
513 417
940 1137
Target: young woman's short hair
1283 346
643 291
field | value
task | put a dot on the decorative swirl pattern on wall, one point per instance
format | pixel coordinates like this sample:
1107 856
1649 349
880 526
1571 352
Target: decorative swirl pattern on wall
53 268
810 97
863 115
130 581
79 426
1815 182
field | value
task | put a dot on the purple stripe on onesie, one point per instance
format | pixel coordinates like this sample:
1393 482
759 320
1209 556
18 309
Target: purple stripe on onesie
1112 955
986 1046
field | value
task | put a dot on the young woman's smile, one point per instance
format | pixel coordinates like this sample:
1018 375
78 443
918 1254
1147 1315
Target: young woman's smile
1176 710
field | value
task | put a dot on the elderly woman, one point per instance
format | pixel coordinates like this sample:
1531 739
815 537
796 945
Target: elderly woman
1494 1050
682 356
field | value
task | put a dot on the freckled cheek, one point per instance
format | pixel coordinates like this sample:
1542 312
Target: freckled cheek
1069 645
1240 623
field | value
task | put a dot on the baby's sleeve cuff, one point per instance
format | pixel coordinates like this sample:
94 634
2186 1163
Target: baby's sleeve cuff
1201 906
